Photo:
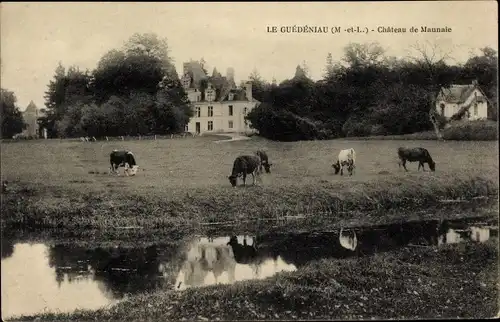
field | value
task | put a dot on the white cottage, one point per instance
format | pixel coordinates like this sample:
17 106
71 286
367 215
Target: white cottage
467 99
218 105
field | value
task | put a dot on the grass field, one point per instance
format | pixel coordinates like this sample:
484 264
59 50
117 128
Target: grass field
186 179
183 184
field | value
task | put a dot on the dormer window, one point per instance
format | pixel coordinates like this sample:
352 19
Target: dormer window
210 95
230 96
186 81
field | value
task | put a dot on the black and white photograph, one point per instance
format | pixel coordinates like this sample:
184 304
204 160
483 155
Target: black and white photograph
256 161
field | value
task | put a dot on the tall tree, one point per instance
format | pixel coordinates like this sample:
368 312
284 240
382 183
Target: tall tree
329 69
150 44
363 55
429 58
12 118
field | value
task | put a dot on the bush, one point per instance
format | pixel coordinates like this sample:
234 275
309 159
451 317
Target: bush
480 130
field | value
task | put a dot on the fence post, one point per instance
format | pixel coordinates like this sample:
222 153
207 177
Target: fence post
155 136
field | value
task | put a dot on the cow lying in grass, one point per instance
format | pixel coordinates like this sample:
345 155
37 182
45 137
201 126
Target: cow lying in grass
264 161
346 158
415 154
243 165
123 159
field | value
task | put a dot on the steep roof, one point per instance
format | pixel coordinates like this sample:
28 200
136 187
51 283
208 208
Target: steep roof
31 108
456 93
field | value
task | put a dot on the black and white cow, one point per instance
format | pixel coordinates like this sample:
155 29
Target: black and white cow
122 158
347 158
415 154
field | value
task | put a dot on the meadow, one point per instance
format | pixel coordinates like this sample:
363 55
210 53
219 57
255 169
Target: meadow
66 183
182 189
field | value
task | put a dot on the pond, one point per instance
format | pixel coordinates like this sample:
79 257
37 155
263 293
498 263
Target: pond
48 276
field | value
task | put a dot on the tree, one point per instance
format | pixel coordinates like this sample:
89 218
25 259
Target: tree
363 55
12 118
300 72
172 109
329 69
67 88
430 59
151 45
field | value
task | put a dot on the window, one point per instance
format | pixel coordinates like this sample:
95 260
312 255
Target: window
245 111
186 128
230 124
230 97
186 81
442 108
475 110
210 111
230 110
209 95
210 125
198 111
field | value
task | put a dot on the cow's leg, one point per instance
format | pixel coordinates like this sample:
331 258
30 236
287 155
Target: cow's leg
423 166
341 169
244 179
404 165
253 177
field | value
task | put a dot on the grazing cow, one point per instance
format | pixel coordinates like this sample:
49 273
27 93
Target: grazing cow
346 158
264 161
415 154
243 165
123 159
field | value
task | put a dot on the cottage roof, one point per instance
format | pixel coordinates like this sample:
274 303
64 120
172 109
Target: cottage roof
457 93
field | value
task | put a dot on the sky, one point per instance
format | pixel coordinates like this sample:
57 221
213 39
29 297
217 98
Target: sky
36 36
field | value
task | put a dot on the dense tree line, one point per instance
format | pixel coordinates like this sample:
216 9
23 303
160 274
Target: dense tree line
12 118
133 91
366 93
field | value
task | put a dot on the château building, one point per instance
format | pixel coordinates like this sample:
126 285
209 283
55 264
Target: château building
219 106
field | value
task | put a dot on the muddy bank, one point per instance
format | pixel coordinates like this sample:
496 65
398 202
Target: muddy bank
55 207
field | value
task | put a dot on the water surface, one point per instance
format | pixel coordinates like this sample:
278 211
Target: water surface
47 276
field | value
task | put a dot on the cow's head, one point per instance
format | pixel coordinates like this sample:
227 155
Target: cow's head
232 180
133 171
267 167
336 166
432 165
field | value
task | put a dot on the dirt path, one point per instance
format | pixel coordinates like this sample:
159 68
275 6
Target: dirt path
234 137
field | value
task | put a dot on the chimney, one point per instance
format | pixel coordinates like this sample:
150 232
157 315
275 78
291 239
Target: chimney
185 68
248 90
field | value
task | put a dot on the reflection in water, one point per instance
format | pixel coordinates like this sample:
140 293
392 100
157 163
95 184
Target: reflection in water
28 285
348 239
39 277
454 236
226 260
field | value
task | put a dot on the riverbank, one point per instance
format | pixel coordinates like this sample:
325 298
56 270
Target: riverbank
449 281
26 205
